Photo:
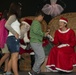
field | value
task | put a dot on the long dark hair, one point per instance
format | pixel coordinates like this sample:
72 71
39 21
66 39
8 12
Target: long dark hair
15 9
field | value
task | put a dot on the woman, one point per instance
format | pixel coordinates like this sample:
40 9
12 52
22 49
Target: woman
13 25
62 56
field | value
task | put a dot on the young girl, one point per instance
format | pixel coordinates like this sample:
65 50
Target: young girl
13 25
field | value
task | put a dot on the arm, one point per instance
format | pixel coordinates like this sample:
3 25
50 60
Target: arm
9 22
72 39
56 38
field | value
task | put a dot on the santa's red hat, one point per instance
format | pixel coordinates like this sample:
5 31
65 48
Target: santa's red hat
28 21
63 19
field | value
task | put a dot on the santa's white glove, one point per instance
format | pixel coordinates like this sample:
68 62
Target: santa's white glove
50 38
63 45
23 46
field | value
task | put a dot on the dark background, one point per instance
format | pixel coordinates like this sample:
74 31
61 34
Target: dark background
30 7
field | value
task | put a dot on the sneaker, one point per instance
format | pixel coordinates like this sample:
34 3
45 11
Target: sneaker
4 73
8 73
32 73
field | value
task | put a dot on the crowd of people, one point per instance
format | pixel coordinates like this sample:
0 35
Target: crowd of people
61 58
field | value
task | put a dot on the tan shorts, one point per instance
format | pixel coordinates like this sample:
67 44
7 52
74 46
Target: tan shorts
5 49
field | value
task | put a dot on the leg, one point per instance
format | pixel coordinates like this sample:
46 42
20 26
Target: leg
13 45
6 55
39 56
14 60
9 66
5 58
6 64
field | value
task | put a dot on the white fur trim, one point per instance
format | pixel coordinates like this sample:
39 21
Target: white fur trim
64 70
48 67
64 31
74 65
63 21
25 23
51 70
23 46
63 45
32 53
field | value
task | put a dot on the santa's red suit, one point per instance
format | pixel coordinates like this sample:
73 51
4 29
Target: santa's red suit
62 56
23 41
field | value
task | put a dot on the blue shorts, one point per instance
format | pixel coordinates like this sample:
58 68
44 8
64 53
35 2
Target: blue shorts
13 44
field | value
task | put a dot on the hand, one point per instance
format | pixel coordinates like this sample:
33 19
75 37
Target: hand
46 33
50 38
17 36
48 30
23 46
